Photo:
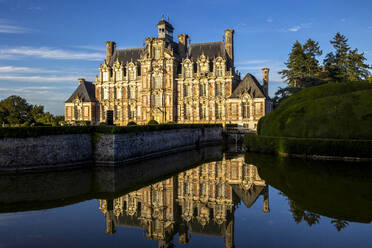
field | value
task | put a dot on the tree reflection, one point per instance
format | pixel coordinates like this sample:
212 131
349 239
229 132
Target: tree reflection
300 214
339 224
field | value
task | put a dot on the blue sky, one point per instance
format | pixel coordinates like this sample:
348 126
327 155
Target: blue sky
46 45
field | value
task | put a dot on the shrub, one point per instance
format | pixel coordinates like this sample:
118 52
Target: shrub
152 122
132 123
309 146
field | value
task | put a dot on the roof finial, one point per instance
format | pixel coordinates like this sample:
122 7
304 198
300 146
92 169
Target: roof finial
162 16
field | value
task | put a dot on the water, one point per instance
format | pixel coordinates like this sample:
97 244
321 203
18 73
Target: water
204 198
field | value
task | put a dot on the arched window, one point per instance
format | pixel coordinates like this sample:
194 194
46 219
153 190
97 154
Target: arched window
245 109
188 71
219 71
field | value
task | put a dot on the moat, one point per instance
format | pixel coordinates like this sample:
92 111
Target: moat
208 197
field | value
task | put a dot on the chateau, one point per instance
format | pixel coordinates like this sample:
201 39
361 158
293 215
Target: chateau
170 81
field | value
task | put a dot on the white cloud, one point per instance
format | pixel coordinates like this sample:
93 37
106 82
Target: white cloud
251 62
11 29
36 78
294 29
18 69
269 20
297 27
50 53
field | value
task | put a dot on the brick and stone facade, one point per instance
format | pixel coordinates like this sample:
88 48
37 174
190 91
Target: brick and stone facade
179 82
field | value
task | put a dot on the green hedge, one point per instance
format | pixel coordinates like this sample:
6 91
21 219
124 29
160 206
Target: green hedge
309 146
23 132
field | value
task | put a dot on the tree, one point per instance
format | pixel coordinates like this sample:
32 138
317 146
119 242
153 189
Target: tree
345 64
16 110
302 65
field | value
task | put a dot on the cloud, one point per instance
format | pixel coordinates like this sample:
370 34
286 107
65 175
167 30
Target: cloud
297 27
93 48
11 29
36 79
50 53
17 69
294 29
343 19
269 20
251 62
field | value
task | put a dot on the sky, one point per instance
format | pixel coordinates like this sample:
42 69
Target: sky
46 45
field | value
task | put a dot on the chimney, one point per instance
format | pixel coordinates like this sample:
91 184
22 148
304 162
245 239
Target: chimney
229 46
81 80
182 44
265 74
110 49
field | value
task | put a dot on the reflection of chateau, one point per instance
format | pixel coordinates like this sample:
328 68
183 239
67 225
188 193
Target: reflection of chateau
198 201
171 82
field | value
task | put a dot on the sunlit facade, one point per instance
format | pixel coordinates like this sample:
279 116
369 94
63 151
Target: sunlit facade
170 81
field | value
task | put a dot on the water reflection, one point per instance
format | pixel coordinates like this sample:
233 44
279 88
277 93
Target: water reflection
199 201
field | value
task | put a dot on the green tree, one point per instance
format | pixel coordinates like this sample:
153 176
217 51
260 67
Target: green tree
14 110
302 65
345 64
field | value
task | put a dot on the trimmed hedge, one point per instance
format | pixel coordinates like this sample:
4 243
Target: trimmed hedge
309 146
24 132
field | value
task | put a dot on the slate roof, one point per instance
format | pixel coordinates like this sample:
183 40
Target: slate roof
249 84
210 49
85 91
126 55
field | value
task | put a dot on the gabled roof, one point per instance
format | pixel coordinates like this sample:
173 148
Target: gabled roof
85 91
209 49
126 55
249 84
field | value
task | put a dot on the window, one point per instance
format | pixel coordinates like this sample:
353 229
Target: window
245 110
219 71
203 112
188 111
105 93
119 75
203 67
188 72
186 90
132 112
105 76
219 111
157 82
203 89
118 93
157 100
219 89
68 111
131 74
157 53
86 111
132 93
258 109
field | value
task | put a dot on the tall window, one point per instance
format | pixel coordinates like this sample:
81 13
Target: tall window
118 75
219 89
219 71
219 111
105 76
132 93
157 52
132 112
186 90
118 93
203 112
245 109
157 82
258 108
203 90
105 93
188 111
131 74
157 100
188 72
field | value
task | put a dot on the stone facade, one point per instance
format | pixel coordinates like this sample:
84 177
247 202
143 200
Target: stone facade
201 200
179 82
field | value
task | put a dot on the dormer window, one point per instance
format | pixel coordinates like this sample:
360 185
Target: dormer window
105 76
219 71
131 74
188 72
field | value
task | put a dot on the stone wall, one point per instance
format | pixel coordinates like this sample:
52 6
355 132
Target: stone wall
113 148
44 151
63 150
